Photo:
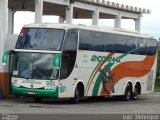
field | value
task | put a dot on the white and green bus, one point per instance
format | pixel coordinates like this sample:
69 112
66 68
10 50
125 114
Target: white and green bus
75 61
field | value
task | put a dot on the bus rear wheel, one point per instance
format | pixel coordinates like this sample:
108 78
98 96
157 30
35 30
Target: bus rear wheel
135 93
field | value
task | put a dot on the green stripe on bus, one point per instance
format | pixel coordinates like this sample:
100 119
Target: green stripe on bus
93 72
87 87
98 82
97 85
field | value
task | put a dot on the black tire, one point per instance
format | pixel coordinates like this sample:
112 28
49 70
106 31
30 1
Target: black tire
37 99
128 93
76 98
135 93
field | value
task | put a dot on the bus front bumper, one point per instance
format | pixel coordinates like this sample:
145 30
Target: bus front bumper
47 93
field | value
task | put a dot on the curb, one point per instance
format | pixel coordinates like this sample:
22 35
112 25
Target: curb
157 93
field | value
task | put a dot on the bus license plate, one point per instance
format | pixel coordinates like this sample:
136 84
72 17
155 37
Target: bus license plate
31 93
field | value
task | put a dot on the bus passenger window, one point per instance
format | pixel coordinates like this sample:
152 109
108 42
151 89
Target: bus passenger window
85 40
71 40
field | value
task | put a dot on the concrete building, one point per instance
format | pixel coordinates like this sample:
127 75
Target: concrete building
67 10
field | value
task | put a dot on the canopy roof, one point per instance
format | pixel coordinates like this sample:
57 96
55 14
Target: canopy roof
58 7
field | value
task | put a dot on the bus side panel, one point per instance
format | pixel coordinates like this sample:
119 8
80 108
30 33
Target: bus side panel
129 68
90 67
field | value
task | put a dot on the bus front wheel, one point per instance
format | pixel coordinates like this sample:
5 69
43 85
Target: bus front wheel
76 98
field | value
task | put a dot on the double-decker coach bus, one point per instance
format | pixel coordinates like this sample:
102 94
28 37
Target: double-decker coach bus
75 61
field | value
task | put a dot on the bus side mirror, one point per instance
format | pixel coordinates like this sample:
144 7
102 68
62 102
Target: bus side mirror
57 61
5 56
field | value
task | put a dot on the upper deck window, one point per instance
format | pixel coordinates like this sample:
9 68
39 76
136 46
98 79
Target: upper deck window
40 38
117 43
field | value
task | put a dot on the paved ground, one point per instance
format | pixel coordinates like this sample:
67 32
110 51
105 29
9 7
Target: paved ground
149 103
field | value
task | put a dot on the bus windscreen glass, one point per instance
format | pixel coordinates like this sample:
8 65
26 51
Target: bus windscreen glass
38 38
34 66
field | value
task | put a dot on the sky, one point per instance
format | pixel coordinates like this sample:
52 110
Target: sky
150 23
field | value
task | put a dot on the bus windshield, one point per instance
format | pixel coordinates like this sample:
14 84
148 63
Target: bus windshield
34 66
40 38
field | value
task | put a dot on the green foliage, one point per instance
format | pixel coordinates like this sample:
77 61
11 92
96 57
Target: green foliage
157 83
1 94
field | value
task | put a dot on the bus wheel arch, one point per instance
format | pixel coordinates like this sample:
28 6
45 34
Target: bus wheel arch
78 93
81 87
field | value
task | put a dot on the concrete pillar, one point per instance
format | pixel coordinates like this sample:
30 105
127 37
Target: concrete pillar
38 11
61 19
10 21
117 21
3 28
4 16
95 17
138 24
69 14
3 33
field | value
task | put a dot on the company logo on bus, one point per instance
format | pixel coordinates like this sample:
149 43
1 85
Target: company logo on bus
105 59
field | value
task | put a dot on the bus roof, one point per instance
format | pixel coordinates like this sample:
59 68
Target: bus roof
94 28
